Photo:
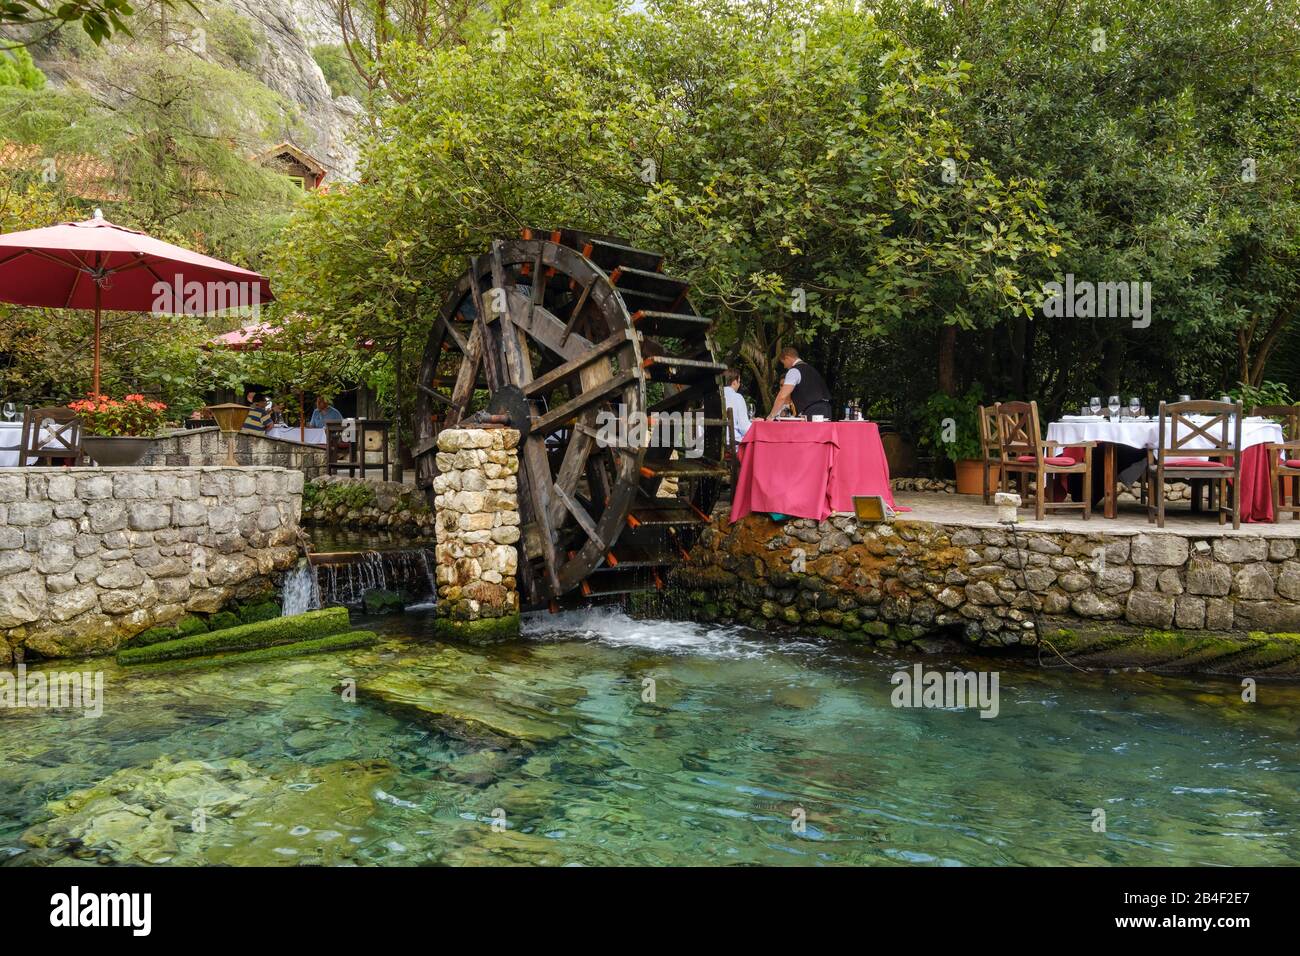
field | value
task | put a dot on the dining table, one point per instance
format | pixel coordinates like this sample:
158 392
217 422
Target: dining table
809 469
11 436
309 436
1143 432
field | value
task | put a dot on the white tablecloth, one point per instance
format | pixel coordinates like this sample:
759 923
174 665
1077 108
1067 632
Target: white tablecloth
11 436
312 436
1138 434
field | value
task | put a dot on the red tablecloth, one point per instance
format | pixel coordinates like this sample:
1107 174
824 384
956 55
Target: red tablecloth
1256 495
809 469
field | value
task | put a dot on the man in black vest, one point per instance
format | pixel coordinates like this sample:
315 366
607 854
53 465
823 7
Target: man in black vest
802 385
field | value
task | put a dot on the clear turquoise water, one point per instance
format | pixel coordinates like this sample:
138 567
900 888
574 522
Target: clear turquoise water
744 730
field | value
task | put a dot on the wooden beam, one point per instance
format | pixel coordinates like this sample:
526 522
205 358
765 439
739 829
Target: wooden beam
560 372
455 336
579 513
577 310
557 417
432 393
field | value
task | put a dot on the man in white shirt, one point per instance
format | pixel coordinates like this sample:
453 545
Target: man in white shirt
735 402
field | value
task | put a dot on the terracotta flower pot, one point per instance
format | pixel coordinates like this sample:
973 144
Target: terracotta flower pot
970 477
115 452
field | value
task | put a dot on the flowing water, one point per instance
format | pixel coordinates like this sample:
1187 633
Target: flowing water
555 750
346 582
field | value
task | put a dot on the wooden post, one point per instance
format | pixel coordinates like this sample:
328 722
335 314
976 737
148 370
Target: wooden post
397 418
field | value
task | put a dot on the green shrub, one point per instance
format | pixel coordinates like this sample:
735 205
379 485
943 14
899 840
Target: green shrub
282 630
339 72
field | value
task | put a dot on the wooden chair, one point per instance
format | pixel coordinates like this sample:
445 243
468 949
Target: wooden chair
50 434
1024 454
731 444
1283 471
370 435
990 448
1181 457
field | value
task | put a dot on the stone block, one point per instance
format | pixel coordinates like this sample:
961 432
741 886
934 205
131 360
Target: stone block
1234 550
1160 549
1150 609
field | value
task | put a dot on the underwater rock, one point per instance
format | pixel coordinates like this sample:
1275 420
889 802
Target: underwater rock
466 696
380 601
214 812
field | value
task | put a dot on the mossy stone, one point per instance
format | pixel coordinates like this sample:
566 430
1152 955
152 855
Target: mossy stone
282 630
261 611
489 630
320 645
380 601
223 620
192 624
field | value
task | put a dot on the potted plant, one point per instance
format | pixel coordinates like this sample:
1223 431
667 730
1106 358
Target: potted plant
951 429
118 432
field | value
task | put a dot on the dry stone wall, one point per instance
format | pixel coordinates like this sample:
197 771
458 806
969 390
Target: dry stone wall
90 557
207 446
993 586
477 520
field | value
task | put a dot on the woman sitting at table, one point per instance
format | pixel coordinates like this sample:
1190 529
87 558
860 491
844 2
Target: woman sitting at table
803 386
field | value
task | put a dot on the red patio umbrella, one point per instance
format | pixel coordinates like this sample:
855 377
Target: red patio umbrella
97 265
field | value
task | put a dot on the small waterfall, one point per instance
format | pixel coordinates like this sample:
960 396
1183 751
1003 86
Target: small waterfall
301 590
346 577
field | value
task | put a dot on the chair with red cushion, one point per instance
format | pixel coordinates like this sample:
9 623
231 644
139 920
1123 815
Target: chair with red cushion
1283 472
1025 455
1205 449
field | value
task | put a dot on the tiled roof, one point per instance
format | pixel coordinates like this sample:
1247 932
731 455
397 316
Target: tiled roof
80 175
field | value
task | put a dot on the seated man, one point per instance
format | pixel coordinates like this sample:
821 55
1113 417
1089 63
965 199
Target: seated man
325 412
259 419
735 402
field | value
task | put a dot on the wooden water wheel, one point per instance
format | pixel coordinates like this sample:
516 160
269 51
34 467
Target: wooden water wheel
572 333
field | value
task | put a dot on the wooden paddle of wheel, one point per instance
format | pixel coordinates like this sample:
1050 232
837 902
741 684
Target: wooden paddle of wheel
593 333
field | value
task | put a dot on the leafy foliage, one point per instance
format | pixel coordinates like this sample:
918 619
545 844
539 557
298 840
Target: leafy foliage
17 69
99 18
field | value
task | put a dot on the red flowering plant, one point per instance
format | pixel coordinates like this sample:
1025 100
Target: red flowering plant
133 415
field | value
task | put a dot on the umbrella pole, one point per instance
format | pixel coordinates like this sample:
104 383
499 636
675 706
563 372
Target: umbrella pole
98 293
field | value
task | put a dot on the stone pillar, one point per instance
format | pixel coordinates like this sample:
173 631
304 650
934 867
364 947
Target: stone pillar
477 521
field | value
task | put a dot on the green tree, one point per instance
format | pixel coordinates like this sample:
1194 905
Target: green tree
17 69
760 165
99 18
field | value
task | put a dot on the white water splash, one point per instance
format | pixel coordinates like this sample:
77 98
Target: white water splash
301 590
612 626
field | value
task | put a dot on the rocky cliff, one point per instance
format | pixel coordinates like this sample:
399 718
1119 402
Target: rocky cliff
270 40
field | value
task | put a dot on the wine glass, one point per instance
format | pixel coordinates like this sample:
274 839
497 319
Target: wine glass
10 411
1094 404
1134 406
1113 403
